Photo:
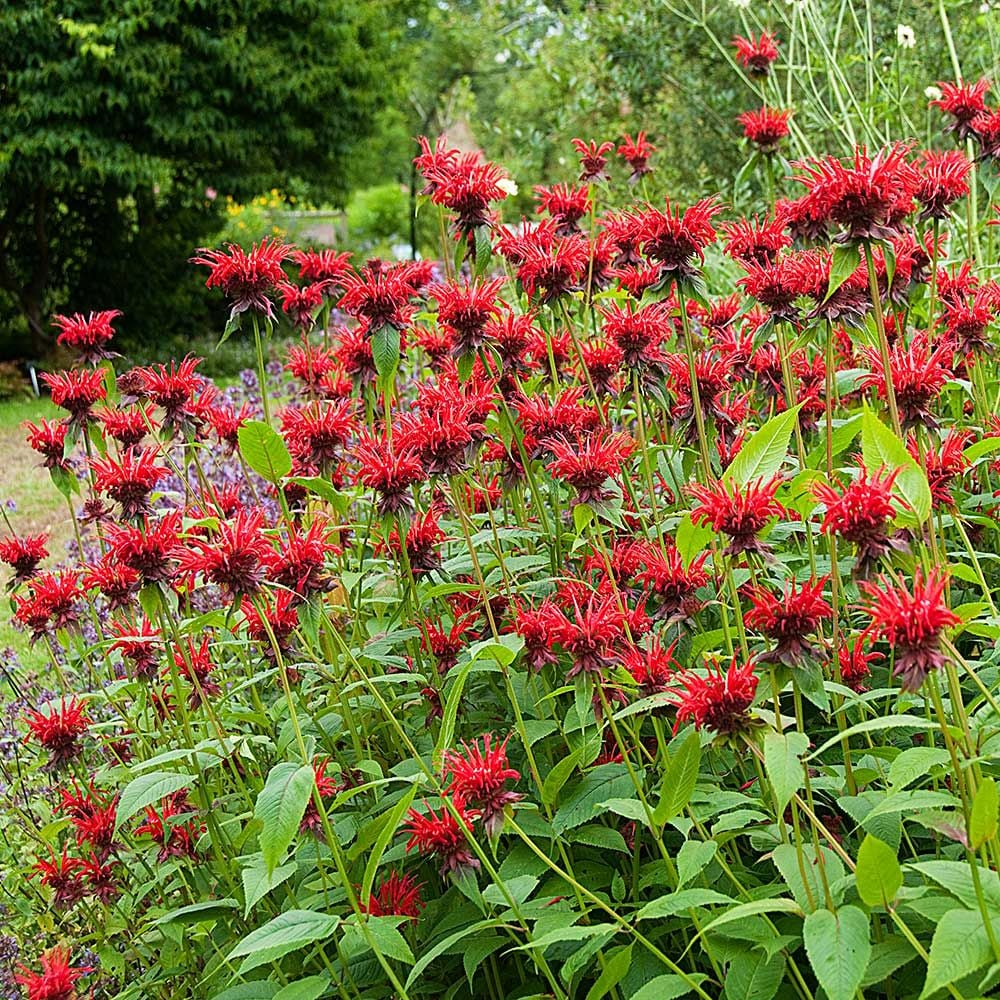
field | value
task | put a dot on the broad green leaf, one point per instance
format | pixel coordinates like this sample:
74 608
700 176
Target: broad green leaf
264 450
576 932
205 910
324 489
691 539
753 976
916 762
842 437
764 453
280 807
782 753
667 987
692 858
888 955
286 933
871 725
452 701
678 902
558 776
388 940
390 824
310 988
882 449
259 989
147 790
258 881
445 945
959 947
679 779
615 968
956 877
583 801
878 874
978 449
983 820
806 876
385 353
846 259
750 909
839 946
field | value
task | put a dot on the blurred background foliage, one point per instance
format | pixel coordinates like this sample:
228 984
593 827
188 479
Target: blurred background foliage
132 132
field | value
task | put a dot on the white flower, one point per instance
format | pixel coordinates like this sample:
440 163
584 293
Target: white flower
932 93
905 38
740 4
501 57
508 184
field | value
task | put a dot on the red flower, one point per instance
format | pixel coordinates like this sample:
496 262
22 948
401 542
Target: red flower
300 562
325 266
59 728
176 839
943 180
718 701
390 472
128 425
987 129
48 438
129 479
247 279
541 419
23 555
444 837
861 513
478 777
675 239
100 878
327 787
636 153
173 388
944 465
789 619
77 391
589 462
672 584
282 618
379 298
56 981
140 645
395 896
639 333
423 537
92 816
962 102
868 196
316 433
740 514
194 664
310 364
51 603
150 549
445 646
652 668
855 664
590 635
302 303
547 264
443 437
757 54
87 335
534 625
116 582
564 204
593 160
61 875
911 622
918 372
966 321
765 127
756 240
464 311
234 557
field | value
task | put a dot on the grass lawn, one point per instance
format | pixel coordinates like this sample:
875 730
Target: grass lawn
40 507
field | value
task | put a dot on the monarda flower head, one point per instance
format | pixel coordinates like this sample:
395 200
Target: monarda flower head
739 512
942 465
234 557
911 621
652 667
789 620
718 700
867 196
301 304
636 153
56 981
87 335
589 633
479 776
48 439
246 278
391 472
670 583
589 462
757 55
52 603
379 298
92 816
395 896
547 265
324 266
962 103
765 127
855 663
151 549
639 332
317 432
58 729
593 160
756 240
565 204
943 180
167 826
442 836
129 479
23 555
675 240
77 391
465 311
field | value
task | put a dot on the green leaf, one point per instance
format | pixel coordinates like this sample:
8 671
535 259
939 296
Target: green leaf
678 902
258 881
259 989
691 539
881 448
385 354
324 489
583 515
870 725
483 249
959 947
983 819
280 807
888 955
667 987
956 877
388 940
916 762
978 449
65 482
750 909
846 259
445 945
841 438
576 932
583 802
286 933
232 325
390 824
807 874
764 453
878 875
206 910
839 946
784 768
615 968
147 790
679 779
309 988
558 776
264 451
692 858
753 976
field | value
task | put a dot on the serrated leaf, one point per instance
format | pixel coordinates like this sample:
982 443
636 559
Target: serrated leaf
878 875
615 968
881 448
287 932
679 779
691 539
667 987
147 790
583 801
280 807
765 452
557 777
782 763
753 976
678 902
959 947
309 988
264 450
258 881
390 824
913 763
323 488
983 819
385 353
692 858
846 259
838 946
